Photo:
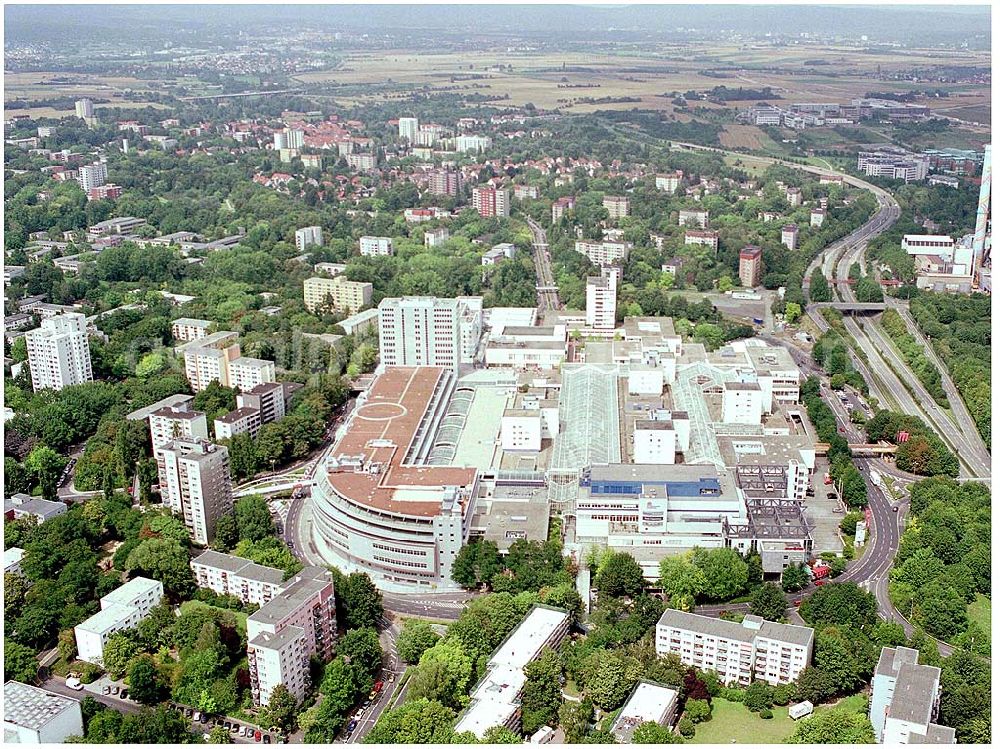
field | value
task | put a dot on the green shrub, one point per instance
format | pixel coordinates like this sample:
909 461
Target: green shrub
766 714
686 727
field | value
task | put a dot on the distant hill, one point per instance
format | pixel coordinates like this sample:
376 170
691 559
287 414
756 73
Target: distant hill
908 24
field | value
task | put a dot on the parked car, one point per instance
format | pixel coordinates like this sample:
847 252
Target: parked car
203 719
196 716
74 683
115 689
124 693
257 736
106 689
267 738
352 725
235 729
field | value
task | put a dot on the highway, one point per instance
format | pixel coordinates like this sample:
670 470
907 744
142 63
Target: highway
977 452
548 292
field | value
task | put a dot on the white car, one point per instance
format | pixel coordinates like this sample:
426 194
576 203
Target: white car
74 683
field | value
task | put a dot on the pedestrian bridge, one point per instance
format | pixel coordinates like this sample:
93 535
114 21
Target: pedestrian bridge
868 449
869 308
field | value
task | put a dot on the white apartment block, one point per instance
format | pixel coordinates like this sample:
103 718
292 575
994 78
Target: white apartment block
905 700
246 373
287 630
693 218
229 575
419 331
790 236
239 421
12 557
496 698
38 716
702 237
170 422
616 206
794 196
739 653
84 108
491 201
195 484
472 143
122 608
375 246
408 128
601 302
336 294
59 353
92 175
817 216
669 182
189 329
604 253
207 359
310 236
436 237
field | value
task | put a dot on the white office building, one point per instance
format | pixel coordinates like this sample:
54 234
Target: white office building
739 653
59 353
905 700
122 608
229 575
655 441
496 698
38 716
12 557
742 403
418 331
195 484
375 246
309 236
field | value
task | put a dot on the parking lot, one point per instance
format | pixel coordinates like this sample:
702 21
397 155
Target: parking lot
115 694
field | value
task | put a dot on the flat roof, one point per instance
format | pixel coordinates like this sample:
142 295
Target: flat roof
192 322
709 625
382 430
31 707
649 702
277 641
495 697
234 416
39 506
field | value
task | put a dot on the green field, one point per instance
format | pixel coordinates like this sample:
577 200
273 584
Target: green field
979 612
732 723
241 618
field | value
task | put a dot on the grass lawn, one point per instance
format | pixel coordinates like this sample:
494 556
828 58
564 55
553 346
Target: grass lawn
732 723
979 612
241 618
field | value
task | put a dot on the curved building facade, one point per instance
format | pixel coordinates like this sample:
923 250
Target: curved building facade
379 504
